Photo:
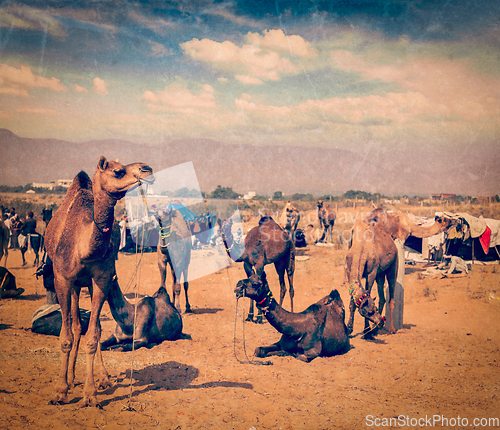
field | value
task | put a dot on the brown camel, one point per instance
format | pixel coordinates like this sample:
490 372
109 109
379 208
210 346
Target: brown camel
82 239
156 320
327 217
174 249
8 289
373 256
4 241
290 217
265 244
400 226
319 330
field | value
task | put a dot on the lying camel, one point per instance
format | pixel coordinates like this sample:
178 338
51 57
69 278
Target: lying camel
156 320
318 331
8 289
372 255
265 244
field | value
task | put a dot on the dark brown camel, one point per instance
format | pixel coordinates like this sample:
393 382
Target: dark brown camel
174 249
82 239
8 289
265 244
327 217
373 256
156 320
318 331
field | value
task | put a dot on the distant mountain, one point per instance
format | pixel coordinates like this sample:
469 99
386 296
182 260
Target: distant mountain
262 169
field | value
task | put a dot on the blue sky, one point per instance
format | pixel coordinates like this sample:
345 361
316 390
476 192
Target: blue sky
343 74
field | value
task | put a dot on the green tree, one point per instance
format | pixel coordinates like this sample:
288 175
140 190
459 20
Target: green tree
224 193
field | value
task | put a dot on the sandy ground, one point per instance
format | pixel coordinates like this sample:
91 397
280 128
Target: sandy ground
443 362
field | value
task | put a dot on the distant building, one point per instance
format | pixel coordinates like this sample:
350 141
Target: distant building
444 196
64 183
249 196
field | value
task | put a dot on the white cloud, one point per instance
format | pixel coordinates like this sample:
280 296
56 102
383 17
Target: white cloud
263 59
78 89
100 86
16 81
176 96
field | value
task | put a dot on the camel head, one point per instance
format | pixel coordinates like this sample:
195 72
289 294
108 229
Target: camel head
116 179
252 287
443 222
366 305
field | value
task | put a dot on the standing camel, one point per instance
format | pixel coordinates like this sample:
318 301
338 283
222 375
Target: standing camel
373 256
289 218
265 244
327 217
400 226
82 239
174 249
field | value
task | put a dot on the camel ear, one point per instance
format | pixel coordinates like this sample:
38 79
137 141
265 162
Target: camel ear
102 163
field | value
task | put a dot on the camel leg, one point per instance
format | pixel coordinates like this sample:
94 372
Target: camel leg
370 279
264 351
66 339
92 340
76 328
186 287
280 268
103 381
352 310
249 272
391 273
176 289
162 266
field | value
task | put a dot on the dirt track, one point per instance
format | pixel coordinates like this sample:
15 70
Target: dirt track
445 361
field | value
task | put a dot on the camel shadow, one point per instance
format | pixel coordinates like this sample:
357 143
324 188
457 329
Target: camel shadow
5 326
408 326
410 270
204 311
30 297
169 376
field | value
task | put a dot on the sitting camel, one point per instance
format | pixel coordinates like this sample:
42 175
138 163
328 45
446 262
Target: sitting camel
82 238
372 255
8 289
174 249
156 320
318 331
265 244
312 234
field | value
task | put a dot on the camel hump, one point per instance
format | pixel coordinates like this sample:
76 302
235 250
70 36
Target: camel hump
82 180
265 219
334 295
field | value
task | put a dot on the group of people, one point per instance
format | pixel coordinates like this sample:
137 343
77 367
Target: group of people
23 234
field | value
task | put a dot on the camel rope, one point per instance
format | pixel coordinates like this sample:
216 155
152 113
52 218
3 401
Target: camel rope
248 361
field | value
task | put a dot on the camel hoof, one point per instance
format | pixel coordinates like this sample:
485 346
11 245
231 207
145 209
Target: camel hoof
249 318
188 311
259 320
102 384
259 353
89 402
368 336
59 399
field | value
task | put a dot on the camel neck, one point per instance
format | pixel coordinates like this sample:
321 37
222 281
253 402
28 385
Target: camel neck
103 212
121 310
278 317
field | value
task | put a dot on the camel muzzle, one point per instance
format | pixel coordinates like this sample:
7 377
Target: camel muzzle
240 289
